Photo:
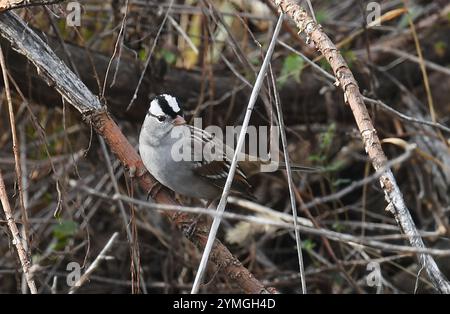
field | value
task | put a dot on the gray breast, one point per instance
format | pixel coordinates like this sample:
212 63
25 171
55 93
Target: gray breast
176 175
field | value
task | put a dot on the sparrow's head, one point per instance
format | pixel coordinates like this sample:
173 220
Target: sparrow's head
165 110
163 115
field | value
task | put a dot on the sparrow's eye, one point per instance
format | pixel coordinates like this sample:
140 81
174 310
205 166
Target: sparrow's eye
161 118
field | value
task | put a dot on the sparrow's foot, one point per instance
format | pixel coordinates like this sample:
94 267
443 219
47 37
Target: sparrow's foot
132 171
154 190
190 231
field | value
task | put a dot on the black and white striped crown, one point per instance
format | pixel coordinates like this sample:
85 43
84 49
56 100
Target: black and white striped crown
165 104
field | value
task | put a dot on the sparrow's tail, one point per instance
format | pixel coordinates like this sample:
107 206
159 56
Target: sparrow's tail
297 167
252 168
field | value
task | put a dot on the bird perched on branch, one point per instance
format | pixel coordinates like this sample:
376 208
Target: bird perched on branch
174 153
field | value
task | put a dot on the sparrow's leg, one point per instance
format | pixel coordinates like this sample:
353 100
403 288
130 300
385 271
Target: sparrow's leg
193 226
154 190
132 171
190 231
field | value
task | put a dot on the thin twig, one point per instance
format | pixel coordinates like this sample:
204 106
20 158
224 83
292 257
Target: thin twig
333 235
17 241
267 211
183 34
421 63
150 54
134 245
55 28
226 190
116 46
352 96
308 60
406 117
102 256
311 10
24 178
279 220
282 129
16 4
429 64
356 184
16 149
65 82
368 99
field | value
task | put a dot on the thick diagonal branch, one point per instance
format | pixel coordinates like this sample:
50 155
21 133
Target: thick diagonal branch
16 4
353 97
58 75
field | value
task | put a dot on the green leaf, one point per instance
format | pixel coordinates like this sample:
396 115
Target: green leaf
325 65
87 34
255 60
308 245
62 232
341 182
439 48
66 228
61 24
338 227
292 68
335 166
413 12
326 138
349 56
142 54
169 56
321 16
318 158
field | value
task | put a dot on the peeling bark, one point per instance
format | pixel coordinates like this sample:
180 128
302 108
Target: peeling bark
16 4
353 97
59 76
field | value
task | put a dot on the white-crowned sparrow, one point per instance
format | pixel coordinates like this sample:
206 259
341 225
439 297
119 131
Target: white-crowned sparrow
201 175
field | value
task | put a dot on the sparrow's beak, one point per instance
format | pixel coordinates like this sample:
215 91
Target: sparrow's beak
179 120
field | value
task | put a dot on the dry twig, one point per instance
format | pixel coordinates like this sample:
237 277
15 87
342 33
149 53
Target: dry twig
56 73
226 189
17 241
353 97
102 256
16 4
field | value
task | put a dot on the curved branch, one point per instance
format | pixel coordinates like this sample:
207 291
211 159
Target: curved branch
16 4
58 75
353 97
